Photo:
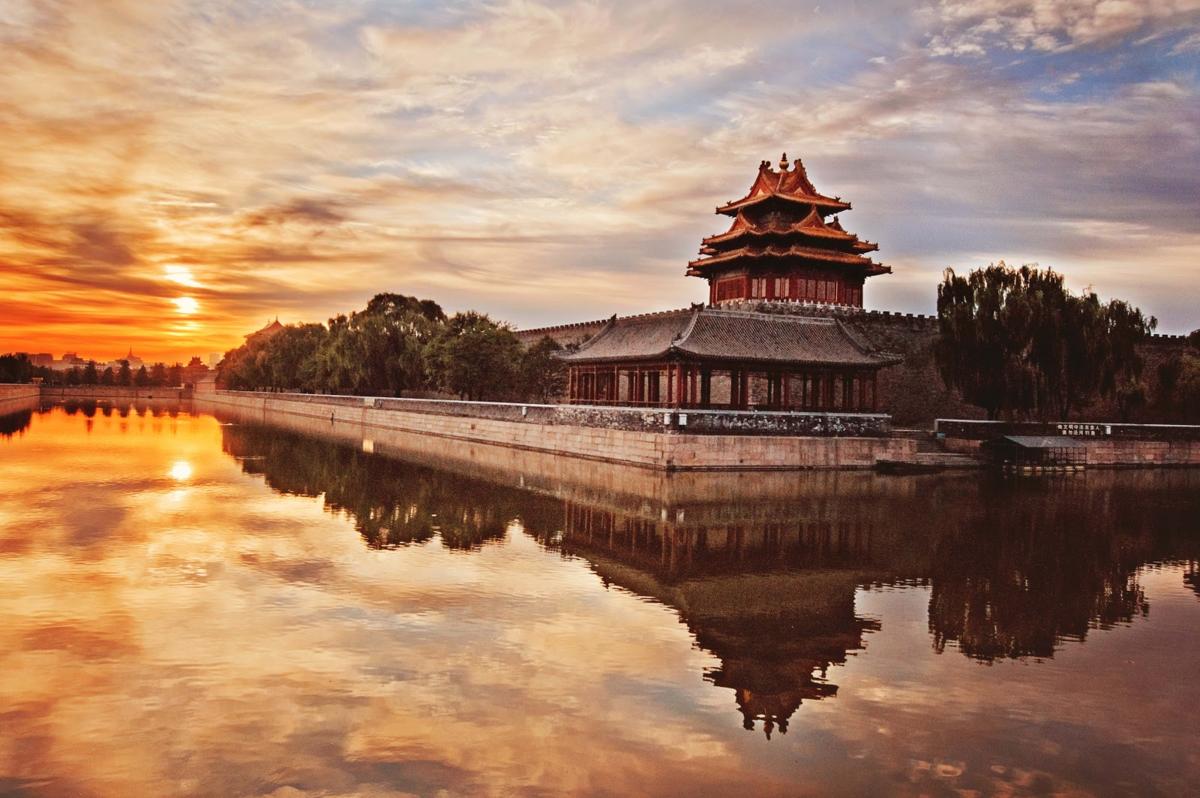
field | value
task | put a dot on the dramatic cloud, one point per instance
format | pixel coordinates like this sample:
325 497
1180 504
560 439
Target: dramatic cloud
552 161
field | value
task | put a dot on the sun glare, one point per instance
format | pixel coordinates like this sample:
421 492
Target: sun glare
185 304
181 275
181 471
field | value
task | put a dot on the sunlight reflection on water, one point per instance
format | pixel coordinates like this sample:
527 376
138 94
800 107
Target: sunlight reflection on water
203 609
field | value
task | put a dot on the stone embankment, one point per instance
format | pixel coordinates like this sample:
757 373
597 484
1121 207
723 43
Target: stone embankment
14 397
657 439
1108 445
59 393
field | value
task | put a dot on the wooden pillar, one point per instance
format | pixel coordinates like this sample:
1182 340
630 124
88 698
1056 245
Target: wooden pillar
874 393
706 387
786 386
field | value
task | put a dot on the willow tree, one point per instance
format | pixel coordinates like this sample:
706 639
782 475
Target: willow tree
380 350
1016 341
475 358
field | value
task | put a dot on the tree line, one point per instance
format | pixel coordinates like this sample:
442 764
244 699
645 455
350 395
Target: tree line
1018 343
18 368
398 345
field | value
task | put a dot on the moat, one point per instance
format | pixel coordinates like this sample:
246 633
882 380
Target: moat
197 604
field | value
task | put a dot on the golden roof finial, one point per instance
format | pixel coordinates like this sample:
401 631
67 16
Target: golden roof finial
783 163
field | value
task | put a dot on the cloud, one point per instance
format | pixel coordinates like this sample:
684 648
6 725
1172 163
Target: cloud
973 27
567 152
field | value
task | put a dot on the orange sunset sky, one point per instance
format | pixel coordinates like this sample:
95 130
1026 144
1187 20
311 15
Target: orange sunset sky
175 174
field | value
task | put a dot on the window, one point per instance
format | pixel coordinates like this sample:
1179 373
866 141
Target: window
729 289
783 287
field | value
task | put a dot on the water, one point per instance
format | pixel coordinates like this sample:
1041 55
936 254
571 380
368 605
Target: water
203 608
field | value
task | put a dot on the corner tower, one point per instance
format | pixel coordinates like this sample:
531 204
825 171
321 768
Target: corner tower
782 247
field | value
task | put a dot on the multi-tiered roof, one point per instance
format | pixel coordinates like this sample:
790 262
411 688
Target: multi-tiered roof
781 229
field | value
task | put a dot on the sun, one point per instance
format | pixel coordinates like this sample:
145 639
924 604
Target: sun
186 305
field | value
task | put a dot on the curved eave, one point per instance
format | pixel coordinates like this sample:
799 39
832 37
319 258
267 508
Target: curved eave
682 353
814 232
821 201
803 253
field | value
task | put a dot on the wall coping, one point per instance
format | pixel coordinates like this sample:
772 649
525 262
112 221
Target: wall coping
670 420
372 401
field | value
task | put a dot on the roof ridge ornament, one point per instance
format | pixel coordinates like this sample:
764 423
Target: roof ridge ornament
783 163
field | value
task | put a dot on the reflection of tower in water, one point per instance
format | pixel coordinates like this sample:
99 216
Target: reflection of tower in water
763 568
774 602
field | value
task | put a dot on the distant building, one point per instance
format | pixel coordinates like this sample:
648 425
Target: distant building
194 371
266 333
69 361
41 359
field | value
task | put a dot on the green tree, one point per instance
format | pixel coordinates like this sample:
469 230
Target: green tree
107 377
380 350
175 376
1016 341
125 374
142 378
543 376
90 375
158 375
474 358
290 359
1187 387
16 368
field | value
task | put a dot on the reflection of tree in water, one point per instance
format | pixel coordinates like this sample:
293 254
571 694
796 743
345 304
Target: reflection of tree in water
1192 577
15 423
768 587
392 503
90 407
1036 570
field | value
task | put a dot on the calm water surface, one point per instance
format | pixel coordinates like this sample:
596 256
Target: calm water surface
204 607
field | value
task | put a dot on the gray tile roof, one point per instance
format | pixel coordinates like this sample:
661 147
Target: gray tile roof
723 335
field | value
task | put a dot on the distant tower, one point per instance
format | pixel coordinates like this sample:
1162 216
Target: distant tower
782 248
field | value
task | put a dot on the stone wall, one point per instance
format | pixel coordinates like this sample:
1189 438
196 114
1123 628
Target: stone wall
666 449
63 392
16 397
632 419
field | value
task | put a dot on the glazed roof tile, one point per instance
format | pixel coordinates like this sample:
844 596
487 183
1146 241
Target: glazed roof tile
791 185
721 335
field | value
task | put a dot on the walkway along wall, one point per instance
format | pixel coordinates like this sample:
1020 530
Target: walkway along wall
649 439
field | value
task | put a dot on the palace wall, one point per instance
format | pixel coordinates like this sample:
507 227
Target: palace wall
64 392
665 449
15 397
912 392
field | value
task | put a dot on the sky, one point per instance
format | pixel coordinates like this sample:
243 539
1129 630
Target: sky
173 175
